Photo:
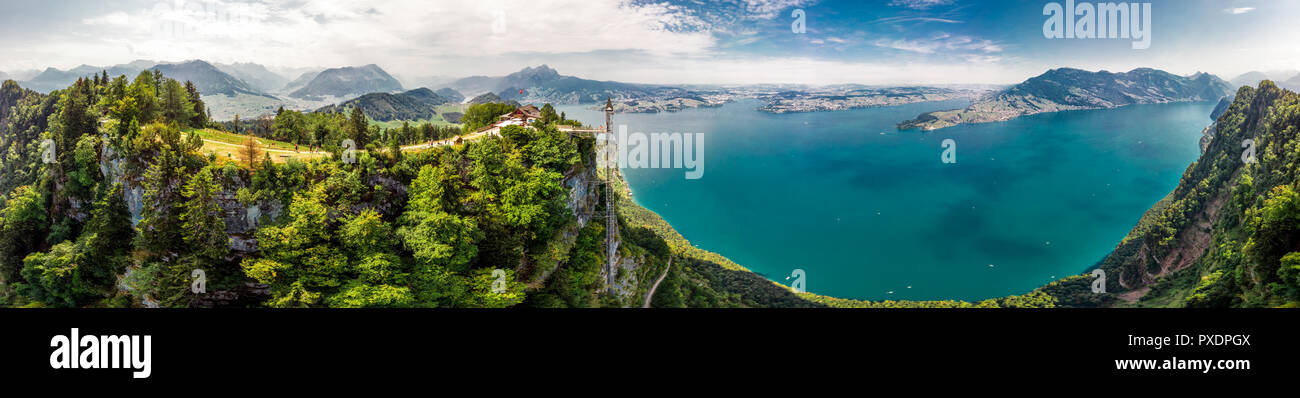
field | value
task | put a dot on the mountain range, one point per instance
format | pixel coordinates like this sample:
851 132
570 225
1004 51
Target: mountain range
208 79
348 81
1071 89
300 82
256 75
1282 77
417 104
450 94
542 84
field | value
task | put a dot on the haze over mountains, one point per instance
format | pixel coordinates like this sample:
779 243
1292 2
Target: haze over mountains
251 89
1283 78
257 76
300 81
349 81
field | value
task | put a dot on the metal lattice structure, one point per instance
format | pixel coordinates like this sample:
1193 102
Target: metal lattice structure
611 220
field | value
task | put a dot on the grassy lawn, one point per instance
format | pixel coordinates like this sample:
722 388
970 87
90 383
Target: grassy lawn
232 138
227 146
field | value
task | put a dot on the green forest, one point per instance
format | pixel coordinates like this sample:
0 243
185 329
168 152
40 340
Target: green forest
453 226
1229 235
111 200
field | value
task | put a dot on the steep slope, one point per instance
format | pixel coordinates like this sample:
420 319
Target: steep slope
348 81
450 94
208 79
486 98
300 82
418 104
1071 89
544 84
1229 235
256 75
1292 84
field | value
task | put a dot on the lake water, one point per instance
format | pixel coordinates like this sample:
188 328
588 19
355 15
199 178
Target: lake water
866 210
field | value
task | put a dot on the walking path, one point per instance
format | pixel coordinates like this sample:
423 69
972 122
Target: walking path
651 294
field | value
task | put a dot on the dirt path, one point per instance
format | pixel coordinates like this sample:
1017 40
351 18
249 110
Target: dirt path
651 294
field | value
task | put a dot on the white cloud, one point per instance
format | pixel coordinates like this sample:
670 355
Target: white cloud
768 9
920 4
116 18
398 33
814 71
942 42
1239 10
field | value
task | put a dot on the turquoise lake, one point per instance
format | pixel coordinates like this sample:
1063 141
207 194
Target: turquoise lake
870 212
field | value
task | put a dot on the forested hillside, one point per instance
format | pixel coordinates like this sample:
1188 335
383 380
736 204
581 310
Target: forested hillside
418 104
128 205
1229 235
131 212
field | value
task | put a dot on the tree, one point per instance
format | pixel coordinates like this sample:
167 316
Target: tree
23 224
250 152
288 126
434 236
158 231
201 111
176 104
146 95
297 258
481 115
1277 227
74 272
548 114
202 225
110 223
358 127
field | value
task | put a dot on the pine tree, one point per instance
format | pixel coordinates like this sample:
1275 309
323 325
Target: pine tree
158 232
202 225
359 127
201 110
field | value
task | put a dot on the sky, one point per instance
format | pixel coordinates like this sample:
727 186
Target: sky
648 41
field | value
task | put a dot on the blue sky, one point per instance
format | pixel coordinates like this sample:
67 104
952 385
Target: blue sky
681 41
